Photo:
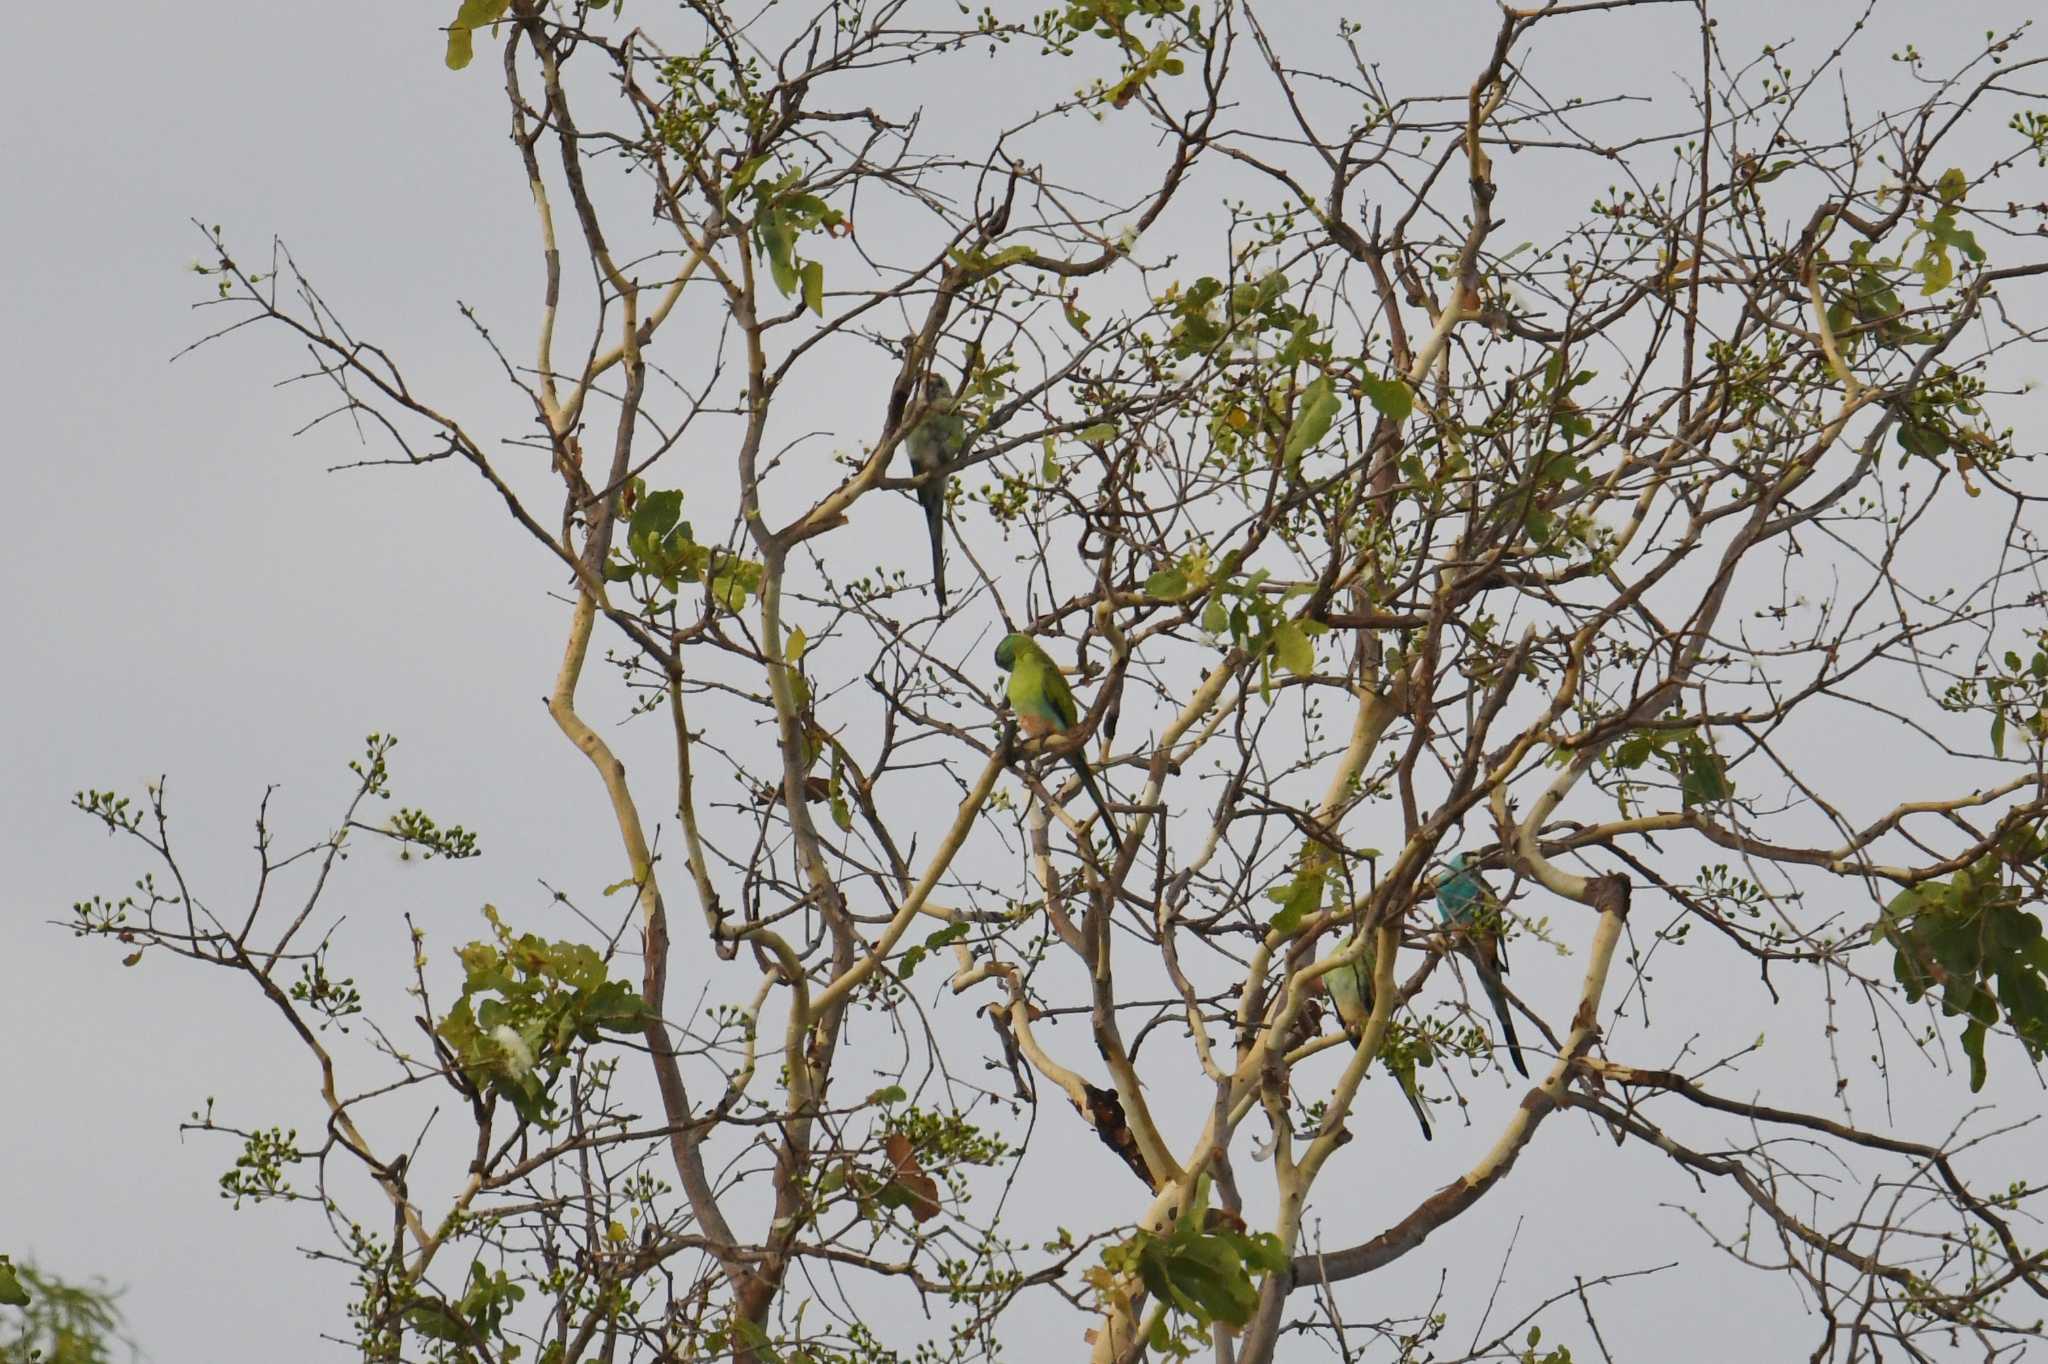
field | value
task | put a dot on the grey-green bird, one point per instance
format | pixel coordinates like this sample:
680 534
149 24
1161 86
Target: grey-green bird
937 442
1045 709
1350 990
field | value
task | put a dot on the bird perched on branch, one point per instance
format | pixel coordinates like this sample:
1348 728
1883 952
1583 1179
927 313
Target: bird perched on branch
936 443
1466 904
1046 710
1350 988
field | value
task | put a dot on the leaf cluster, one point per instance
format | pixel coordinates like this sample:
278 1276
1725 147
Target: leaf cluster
1970 937
527 1006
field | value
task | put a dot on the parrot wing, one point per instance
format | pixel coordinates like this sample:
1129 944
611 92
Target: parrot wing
1459 895
933 444
1350 991
1044 702
1039 692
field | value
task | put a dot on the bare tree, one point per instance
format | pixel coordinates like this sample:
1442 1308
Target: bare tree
1434 593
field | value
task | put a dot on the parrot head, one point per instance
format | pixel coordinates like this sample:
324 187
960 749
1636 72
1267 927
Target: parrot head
1006 652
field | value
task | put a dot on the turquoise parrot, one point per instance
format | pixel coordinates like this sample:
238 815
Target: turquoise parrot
937 442
1045 709
1465 903
1350 990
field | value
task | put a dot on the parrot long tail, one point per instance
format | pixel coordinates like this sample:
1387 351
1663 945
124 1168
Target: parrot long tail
1080 765
933 495
1415 1102
1407 1083
1490 979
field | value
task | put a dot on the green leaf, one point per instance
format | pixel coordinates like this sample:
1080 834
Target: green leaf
1002 260
1918 439
1264 1252
1998 734
1973 1047
1297 900
1208 1270
654 516
473 15
1937 269
1216 616
793 647
1945 231
1312 418
613 1007
1170 583
778 240
729 591
1152 1269
1049 469
813 275
756 1339
438 1321
1704 776
1292 648
1392 398
1099 434
12 1294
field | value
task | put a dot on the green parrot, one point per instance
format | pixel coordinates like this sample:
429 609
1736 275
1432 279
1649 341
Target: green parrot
1045 709
1350 990
1465 902
937 441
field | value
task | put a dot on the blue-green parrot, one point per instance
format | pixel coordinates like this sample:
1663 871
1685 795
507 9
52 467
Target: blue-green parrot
1045 709
1465 903
1350 990
937 442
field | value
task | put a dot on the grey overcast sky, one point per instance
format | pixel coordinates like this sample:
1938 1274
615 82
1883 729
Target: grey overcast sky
189 593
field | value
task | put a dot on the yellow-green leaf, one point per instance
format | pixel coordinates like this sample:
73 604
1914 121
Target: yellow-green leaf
729 592
473 15
1392 398
793 647
1170 583
1291 647
814 286
12 1294
1312 418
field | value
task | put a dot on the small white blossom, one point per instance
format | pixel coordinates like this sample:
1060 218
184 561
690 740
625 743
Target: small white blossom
518 1056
